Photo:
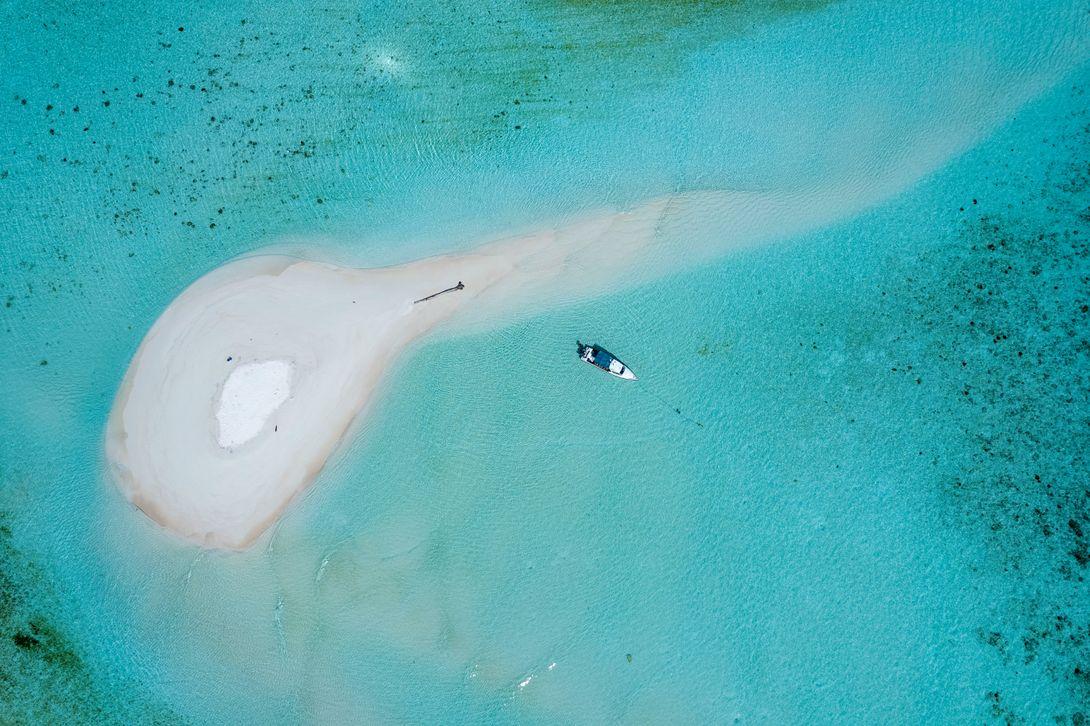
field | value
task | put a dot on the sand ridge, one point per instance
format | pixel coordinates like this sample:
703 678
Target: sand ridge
340 327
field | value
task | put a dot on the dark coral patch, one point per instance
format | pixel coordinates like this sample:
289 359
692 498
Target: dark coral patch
43 677
1002 308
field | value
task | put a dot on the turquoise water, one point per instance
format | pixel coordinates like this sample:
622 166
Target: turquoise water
883 517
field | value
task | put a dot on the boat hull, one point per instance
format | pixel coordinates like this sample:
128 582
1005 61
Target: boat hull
605 361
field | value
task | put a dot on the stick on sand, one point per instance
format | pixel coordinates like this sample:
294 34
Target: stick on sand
459 286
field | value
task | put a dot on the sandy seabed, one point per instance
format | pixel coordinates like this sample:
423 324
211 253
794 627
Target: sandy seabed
244 386
246 383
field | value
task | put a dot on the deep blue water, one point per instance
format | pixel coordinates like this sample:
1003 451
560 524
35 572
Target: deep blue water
883 516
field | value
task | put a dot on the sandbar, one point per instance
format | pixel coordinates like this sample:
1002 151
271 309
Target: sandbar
247 382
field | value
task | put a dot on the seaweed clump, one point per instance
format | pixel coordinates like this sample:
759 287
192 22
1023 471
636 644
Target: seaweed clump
1006 308
43 677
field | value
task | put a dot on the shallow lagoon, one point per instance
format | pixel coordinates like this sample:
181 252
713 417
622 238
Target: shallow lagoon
874 522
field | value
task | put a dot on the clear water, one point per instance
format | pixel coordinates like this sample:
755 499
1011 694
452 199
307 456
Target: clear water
883 516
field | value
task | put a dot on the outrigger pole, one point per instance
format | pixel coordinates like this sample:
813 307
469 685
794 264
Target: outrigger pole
459 286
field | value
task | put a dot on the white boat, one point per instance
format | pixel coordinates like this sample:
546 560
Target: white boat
601 358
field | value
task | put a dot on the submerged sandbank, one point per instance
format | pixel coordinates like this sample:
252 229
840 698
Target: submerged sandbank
245 385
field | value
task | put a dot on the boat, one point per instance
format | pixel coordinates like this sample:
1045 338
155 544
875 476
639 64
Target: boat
599 357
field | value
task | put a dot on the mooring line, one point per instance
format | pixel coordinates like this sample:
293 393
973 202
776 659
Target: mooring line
672 407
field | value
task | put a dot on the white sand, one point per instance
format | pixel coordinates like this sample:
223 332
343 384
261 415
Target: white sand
250 395
214 449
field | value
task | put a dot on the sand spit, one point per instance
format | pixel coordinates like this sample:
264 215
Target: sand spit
246 383
244 386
